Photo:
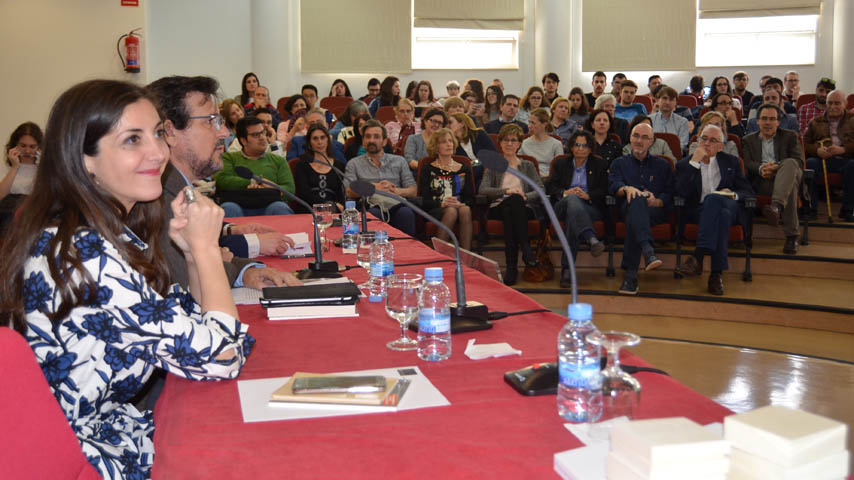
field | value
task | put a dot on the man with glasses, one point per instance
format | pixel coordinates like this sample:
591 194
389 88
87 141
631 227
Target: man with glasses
830 136
509 109
815 108
793 89
773 96
775 163
273 144
711 182
740 80
309 92
258 198
643 184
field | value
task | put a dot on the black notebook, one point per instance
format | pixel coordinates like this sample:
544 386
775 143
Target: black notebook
311 294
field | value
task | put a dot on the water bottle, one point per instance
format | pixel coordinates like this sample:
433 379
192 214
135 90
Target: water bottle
579 390
434 318
382 265
350 226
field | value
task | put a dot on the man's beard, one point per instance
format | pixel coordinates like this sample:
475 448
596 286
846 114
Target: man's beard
205 167
372 148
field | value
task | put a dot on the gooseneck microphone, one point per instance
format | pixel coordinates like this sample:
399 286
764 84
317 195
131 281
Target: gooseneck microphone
341 177
319 268
465 317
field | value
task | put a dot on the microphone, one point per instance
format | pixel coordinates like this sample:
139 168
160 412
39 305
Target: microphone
318 268
341 177
465 317
540 378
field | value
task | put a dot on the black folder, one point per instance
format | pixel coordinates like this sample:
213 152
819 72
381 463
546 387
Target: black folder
328 294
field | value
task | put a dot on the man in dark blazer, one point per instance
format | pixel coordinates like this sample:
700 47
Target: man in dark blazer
711 182
775 165
577 187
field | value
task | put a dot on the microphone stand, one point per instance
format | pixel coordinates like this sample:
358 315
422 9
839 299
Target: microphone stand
465 317
362 201
318 268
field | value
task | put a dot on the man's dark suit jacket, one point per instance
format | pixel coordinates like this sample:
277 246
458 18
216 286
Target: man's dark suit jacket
786 145
173 182
597 179
689 181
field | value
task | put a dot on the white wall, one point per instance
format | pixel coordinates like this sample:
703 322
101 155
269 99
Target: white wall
48 45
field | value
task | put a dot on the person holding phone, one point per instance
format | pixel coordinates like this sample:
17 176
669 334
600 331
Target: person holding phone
22 155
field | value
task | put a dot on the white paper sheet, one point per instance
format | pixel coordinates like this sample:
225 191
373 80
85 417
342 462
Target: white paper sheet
256 407
246 296
488 350
301 244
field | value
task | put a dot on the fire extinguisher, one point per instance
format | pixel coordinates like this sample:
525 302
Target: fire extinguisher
131 51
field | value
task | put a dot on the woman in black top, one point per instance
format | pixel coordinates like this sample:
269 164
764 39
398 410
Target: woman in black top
315 180
445 187
600 125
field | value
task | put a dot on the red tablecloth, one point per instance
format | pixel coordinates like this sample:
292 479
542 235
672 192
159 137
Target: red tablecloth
488 431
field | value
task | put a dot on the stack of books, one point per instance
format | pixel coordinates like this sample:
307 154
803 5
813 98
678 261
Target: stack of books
311 301
666 449
773 443
359 393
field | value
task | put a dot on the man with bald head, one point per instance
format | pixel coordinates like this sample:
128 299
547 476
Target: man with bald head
830 136
643 184
712 184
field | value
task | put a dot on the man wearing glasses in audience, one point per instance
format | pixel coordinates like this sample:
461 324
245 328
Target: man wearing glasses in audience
711 182
643 184
509 109
830 136
772 96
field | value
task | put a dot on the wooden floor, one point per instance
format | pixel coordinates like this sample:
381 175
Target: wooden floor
786 338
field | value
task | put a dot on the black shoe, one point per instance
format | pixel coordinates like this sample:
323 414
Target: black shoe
771 212
791 246
690 267
629 286
652 262
716 284
565 278
597 249
510 275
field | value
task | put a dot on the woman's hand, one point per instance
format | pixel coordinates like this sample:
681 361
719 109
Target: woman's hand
14 157
197 225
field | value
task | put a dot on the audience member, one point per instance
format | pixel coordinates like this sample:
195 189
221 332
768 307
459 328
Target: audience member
700 178
532 100
601 125
311 96
697 88
740 80
410 90
793 88
512 201
599 81
627 109
830 137
563 126
455 105
355 145
247 89
498 83
242 197
476 108
579 108
643 185
652 83
453 88
715 118
550 84
471 140
388 97
261 99
405 124
295 125
343 128
721 85
659 148
416 145
723 104
373 91
607 102
389 173
772 96
313 176
492 105
231 111
509 109
424 95
775 84
273 144
577 187
540 144
666 121
774 161
808 111
340 88
446 191
18 172
616 85
299 144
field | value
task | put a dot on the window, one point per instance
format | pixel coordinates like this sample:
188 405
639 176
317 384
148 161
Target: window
464 49
774 40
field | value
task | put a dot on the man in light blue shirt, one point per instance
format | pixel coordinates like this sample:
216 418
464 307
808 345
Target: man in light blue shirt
666 120
627 109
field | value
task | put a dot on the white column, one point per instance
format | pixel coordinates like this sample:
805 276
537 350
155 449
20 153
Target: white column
274 41
553 42
843 45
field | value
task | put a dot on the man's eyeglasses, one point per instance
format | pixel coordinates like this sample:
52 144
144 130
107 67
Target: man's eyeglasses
510 140
256 134
709 140
580 145
215 120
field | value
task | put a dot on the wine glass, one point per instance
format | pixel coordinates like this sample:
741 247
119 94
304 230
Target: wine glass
620 391
402 305
323 212
363 254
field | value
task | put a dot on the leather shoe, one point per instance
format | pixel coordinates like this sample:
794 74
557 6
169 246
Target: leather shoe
771 212
565 278
510 275
716 284
690 267
652 262
791 246
629 286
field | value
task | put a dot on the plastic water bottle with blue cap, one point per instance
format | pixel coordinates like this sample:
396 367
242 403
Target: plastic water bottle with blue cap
579 390
382 266
350 227
434 317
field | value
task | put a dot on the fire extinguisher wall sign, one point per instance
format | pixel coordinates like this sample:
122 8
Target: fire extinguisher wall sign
130 61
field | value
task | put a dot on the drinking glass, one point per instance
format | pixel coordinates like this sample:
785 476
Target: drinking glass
620 391
402 305
363 254
323 212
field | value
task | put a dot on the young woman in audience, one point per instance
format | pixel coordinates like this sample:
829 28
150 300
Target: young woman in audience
471 141
722 85
715 118
19 170
446 188
532 100
723 104
416 145
343 128
477 89
563 126
579 108
86 282
410 90
659 147
231 111
600 125
315 181
405 125
512 201
340 89
424 95
389 95
294 126
492 105
540 144
454 105
608 102
247 89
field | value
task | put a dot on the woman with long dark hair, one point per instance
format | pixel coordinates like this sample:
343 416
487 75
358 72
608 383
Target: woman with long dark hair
86 283
389 95
340 88
315 181
579 108
16 179
247 89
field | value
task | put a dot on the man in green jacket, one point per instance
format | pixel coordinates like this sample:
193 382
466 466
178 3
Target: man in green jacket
242 197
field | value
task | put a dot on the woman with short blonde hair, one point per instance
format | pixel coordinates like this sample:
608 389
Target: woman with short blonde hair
446 188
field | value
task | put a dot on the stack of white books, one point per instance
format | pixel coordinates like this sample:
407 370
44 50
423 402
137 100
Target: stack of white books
666 449
772 443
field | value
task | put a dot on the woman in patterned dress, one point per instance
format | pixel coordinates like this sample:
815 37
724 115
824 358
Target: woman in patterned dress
87 284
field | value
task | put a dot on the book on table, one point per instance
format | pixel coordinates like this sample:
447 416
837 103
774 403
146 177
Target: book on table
325 294
298 312
389 395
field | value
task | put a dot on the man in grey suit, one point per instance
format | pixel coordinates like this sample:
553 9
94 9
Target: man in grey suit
775 163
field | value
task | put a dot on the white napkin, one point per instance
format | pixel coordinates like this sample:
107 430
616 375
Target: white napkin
487 350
